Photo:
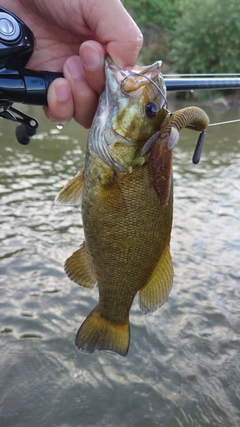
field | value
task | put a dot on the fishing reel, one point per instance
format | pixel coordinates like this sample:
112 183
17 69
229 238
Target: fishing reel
17 84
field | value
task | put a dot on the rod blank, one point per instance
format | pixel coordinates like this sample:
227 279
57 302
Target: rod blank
201 83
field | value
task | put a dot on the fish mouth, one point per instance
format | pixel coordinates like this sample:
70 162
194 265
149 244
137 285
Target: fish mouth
150 72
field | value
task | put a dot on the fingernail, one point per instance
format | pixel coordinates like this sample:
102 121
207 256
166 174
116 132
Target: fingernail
74 68
90 57
62 92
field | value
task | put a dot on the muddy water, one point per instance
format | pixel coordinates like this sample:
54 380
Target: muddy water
183 366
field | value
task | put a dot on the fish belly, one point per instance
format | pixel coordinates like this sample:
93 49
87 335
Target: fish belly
126 230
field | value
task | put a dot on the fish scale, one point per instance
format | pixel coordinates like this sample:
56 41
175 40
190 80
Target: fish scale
121 239
126 227
126 192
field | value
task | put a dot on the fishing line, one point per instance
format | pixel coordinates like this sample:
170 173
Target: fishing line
199 146
224 123
48 52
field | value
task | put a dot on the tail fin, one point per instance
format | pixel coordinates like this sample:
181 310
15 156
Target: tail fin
97 333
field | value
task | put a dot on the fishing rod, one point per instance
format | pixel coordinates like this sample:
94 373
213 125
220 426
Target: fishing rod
180 84
18 84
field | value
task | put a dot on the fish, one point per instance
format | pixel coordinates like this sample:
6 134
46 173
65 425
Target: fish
126 220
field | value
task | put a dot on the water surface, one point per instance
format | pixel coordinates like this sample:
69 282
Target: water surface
183 366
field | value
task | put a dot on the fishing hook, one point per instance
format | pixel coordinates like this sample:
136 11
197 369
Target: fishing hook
150 81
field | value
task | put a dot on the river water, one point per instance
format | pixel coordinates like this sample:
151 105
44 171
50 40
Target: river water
183 366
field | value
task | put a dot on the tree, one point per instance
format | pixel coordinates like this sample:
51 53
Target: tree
205 38
154 18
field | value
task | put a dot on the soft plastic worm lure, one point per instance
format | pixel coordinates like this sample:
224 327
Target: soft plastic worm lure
162 142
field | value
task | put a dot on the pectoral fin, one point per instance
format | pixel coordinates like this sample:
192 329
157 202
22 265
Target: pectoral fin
71 194
78 268
157 289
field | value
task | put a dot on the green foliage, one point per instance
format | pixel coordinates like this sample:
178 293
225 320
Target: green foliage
206 37
194 36
154 18
152 13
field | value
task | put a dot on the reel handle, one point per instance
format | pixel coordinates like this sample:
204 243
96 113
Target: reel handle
26 86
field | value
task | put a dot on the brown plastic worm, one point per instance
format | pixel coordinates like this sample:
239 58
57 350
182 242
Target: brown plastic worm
162 143
191 117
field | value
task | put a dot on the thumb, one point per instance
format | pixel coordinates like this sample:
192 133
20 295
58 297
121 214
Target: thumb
114 28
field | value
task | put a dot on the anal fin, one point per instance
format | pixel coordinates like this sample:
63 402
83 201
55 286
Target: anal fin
159 285
71 194
78 268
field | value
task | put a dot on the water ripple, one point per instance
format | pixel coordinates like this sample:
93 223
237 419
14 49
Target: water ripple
183 365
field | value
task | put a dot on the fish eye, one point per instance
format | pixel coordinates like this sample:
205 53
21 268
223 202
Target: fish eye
151 109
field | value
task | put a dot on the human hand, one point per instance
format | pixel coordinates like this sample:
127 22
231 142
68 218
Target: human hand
73 37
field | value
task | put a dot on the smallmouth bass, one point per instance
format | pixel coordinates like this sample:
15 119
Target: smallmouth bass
127 224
